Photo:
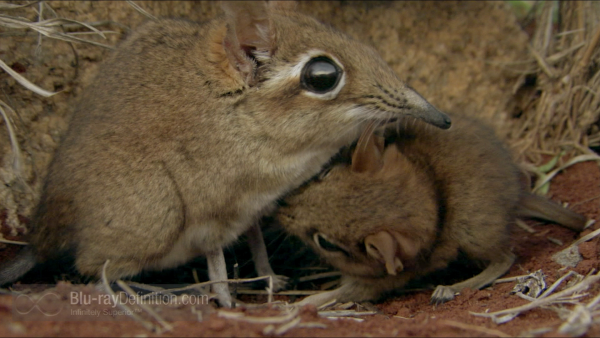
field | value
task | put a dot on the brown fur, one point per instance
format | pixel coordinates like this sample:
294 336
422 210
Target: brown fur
432 192
191 132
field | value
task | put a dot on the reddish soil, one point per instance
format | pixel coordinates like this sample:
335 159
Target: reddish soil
406 315
451 52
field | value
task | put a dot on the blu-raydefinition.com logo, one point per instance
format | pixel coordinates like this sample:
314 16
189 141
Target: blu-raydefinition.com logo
93 304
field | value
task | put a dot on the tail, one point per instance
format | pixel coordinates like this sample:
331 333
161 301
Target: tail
535 206
16 268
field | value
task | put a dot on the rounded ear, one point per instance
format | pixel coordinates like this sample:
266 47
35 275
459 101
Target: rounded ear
368 152
383 247
248 33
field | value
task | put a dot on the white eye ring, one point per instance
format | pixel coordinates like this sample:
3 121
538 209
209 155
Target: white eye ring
323 77
298 68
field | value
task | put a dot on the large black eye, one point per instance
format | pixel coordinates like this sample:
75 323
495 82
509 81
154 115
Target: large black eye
326 245
321 75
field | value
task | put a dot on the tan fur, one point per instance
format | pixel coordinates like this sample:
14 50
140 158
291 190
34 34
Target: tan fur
188 136
437 193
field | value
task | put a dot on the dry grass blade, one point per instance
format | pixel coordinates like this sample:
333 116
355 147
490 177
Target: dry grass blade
166 326
587 237
24 82
8 241
542 62
566 79
556 284
590 50
509 279
561 55
62 21
312 325
467 327
575 160
581 318
146 324
578 322
199 285
14 143
319 276
328 304
502 316
259 320
4 6
281 293
345 313
141 10
48 28
286 327
524 226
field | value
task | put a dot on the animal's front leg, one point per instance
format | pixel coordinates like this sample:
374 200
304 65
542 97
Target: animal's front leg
217 270
351 290
493 271
261 258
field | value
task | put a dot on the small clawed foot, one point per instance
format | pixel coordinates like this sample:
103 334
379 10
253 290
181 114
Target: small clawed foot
223 297
279 282
442 294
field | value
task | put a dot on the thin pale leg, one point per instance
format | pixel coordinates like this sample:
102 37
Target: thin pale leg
354 290
322 298
217 270
496 269
261 258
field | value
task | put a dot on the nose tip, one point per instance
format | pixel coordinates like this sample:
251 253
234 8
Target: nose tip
447 122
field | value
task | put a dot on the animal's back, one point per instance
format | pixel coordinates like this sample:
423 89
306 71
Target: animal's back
119 146
476 181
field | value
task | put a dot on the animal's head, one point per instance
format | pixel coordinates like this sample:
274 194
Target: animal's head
307 80
370 218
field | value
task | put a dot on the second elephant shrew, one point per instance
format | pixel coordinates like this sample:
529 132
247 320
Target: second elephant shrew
406 210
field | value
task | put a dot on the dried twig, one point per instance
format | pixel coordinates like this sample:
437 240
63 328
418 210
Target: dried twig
345 313
198 285
141 10
8 241
24 82
166 326
505 315
146 324
240 316
280 293
575 160
479 329
319 276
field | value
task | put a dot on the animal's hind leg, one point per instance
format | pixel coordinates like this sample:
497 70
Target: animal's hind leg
261 258
494 270
217 271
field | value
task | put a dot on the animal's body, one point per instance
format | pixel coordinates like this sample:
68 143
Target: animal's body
396 214
191 131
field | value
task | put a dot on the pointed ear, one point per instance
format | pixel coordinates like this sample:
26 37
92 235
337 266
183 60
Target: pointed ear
248 31
368 152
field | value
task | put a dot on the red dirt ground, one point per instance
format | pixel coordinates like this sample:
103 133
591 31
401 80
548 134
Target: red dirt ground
406 315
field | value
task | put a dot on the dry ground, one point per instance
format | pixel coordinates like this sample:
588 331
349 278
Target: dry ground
457 54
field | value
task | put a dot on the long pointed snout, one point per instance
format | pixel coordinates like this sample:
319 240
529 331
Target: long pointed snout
417 106
397 101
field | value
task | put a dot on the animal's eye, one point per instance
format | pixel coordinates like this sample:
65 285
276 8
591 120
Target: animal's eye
324 174
321 75
325 244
